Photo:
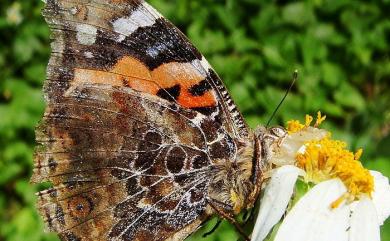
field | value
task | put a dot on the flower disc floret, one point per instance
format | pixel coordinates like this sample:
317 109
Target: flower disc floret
326 159
294 126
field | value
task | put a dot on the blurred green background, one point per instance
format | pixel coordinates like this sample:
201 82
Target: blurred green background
340 47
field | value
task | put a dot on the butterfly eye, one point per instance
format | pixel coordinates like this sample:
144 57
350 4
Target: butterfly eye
278 131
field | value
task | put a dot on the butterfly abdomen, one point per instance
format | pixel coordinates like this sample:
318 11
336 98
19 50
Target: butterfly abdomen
232 184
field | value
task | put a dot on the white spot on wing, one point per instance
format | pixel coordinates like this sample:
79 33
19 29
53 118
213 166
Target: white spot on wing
202 66
214 114
198 119
206 65
231 107
154 51
143 16
74 10
198 66
86 34
88 55
235 114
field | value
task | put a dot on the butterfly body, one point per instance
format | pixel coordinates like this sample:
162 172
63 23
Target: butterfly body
140 138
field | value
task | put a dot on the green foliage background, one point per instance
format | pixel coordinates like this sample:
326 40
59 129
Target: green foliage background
340 47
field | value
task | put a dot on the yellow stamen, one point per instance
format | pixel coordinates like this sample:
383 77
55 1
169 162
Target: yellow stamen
338 201
320 119
358 154
308 120
326 159
294 126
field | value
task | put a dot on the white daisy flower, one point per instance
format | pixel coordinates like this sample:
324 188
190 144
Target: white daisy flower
347 202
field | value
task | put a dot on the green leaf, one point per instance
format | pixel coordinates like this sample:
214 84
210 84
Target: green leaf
298 13
35 74
332 75
348 96
381 164
272 56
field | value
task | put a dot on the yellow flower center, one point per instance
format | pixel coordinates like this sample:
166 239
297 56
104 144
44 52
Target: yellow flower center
326 159
294 126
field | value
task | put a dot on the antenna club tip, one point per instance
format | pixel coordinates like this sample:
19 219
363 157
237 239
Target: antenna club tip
295 76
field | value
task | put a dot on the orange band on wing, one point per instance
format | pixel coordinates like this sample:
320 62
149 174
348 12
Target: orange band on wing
130 72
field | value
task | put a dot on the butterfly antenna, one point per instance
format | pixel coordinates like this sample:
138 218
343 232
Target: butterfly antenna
295 77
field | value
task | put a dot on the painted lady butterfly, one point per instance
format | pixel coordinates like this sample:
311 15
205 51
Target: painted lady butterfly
140 137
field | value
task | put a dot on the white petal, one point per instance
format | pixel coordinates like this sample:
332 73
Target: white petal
275 200
292 143
364 222
381 196
312 217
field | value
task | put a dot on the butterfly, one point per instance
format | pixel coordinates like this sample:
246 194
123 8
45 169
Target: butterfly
140 138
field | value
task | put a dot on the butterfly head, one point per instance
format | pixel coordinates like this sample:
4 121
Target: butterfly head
268 140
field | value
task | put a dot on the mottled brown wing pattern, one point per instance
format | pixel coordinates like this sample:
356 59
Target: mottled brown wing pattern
135 120
120 169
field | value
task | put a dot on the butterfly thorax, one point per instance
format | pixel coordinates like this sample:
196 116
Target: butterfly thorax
237 183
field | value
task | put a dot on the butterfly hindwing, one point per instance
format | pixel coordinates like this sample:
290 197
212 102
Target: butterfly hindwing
137 174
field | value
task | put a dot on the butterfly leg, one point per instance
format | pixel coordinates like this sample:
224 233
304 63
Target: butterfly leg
213 229
220 211
249 216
